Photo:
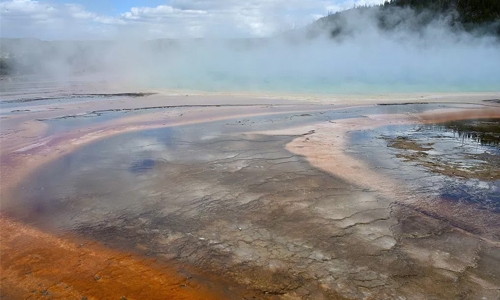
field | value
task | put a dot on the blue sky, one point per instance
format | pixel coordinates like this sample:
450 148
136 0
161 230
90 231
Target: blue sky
96 19
112 6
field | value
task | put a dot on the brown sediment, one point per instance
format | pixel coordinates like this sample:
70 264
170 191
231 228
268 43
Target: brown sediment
404 143
487 171
444 115
316 144
325 147
416 152
19 158
36 265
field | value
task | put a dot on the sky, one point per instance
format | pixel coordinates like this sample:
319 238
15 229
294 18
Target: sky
149 19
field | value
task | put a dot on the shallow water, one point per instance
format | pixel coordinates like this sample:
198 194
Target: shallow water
241 206
38 104
469 149
318 86
485 131
276 121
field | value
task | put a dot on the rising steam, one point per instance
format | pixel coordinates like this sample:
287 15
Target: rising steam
352 53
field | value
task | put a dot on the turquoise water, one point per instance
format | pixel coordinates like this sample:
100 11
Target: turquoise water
302 80
323 67
315 87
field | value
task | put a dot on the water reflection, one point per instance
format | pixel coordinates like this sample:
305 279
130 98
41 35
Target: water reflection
457 160
142 166
245 208
485 131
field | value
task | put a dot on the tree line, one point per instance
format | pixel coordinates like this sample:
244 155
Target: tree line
480 17
471 13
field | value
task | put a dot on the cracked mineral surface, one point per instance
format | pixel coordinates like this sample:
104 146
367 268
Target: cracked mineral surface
283 202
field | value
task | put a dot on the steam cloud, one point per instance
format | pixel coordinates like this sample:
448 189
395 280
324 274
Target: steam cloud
361 57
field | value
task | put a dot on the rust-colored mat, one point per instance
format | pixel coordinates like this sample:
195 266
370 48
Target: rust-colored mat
35 264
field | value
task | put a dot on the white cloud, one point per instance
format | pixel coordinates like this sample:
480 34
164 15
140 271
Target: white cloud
365 59
38 19
181 18
161 11
347 4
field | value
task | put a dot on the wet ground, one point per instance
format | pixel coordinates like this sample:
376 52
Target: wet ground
460 158
254 219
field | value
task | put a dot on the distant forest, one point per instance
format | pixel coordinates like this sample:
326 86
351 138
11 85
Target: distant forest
470 12
480 17
410 17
